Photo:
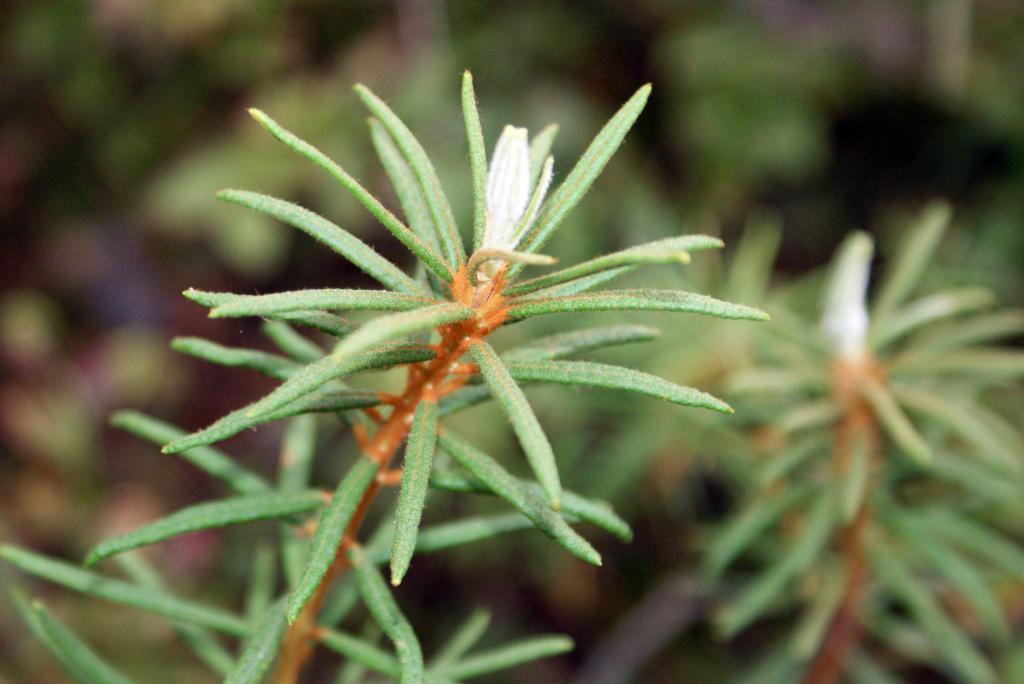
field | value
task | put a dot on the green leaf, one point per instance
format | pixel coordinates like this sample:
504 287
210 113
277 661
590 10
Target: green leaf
895 423
813 414
580 285
791 457
961 575
341 241
524 422
593 511
385 611
927 310
972 331
977 539
317 401
758 596
634 300
505 486
952 646
668 251
426 176
209 515
540 150
291 342
294 469
809 634
584 173
579 341
212 461
204 644
414 206
443 536
259 592
464 638
360 651
328 298
329 532
777 380
913 258
416 465
477 158
269 364
590 374
151 600
74 655
746 528
386 218
351 671
959 417
318 320
510 655
262 648
854 483
979 364
394 326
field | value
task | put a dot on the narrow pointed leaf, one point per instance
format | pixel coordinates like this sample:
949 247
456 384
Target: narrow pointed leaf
810 633
212 461
585 172
289 341
204 644
317 320
747 527
386 612
590 374
758 596
341 241
323 299
980 540
792 457
981 363
540 150
419 458
354 672
406 187
975 330
579 341
524 422
371 203
580 285
927 310
117 591
510 655
896 424
505 486
269 364
262 648
855 481
594 511
295 466
634 300
430 184
447 535
913 258
668 251
813 414
329 532
360 651
951 644
477 158
464 638
259 593
74 655
395 326
209 515
316 401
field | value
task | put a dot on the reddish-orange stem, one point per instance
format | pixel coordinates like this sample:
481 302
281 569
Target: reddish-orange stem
427 381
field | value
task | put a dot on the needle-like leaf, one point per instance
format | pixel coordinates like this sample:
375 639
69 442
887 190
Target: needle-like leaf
477 158
505 486
209 515
74 655
269 364
289 341
914 256
386 218
524 422
416 466
262 648
579 341
392 327
323 299
668 251
927 310
150 600
360 651
584 173
464 638
509 655
295 465
386 612
329 532
895 422
341 241
430 184
634 300
212 461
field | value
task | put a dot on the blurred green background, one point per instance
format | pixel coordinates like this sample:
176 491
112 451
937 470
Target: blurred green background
119 119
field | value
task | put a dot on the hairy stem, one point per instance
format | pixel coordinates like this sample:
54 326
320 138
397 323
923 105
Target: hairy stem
427 381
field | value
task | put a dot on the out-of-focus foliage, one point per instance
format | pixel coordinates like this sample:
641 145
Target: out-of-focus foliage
117 119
